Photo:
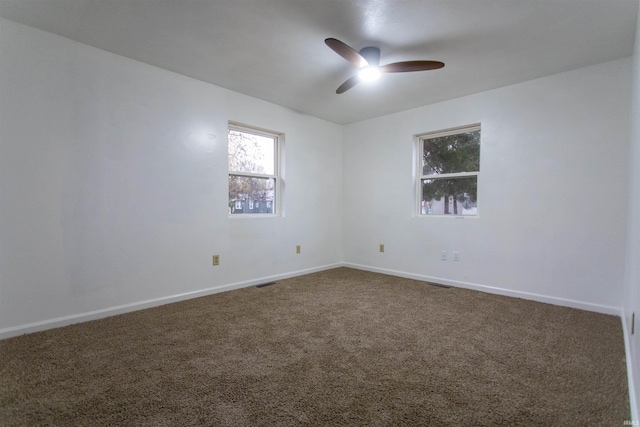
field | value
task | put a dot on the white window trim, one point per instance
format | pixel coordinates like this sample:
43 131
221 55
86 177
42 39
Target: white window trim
419 140
277 176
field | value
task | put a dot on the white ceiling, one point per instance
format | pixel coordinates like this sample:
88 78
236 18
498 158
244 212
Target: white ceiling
274 49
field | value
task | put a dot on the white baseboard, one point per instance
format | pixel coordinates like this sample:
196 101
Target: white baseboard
111 311
599 308
126 308
633 397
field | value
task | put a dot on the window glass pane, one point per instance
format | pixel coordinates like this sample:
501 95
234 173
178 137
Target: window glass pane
451 153
251 153
449 196
251 195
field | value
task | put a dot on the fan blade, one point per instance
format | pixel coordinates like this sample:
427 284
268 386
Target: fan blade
348 84
346 52
406 66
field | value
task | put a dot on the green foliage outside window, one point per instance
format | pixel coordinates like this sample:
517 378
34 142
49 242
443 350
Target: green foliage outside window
450 154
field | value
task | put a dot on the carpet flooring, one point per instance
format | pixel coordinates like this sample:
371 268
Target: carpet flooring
338 347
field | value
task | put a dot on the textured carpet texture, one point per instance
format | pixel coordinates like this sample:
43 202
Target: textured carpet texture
339 347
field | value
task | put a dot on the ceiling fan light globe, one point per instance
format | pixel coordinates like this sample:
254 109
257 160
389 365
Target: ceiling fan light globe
369 74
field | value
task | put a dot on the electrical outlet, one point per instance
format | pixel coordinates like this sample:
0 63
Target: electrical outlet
381 247
456 256
443 255
298 249
216 260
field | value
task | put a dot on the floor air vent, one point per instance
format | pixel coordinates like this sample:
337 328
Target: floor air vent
265 284
439 285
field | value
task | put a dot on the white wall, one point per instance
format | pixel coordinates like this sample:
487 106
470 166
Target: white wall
632 276
552 191
113 185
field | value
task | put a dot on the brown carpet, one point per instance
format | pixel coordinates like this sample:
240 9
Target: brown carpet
340 347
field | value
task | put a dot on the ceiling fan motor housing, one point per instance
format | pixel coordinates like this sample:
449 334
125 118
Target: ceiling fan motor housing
372 55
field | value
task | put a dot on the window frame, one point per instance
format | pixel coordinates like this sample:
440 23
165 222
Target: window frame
278 138
419 143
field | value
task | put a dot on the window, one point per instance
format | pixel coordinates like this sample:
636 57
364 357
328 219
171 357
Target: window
254 179
448 171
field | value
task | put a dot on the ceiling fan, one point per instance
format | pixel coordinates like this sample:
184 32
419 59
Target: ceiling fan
368 60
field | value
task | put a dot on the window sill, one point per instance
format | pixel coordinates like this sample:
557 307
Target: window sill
448 216
253 216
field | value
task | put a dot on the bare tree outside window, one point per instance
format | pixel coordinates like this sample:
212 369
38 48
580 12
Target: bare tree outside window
253 165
